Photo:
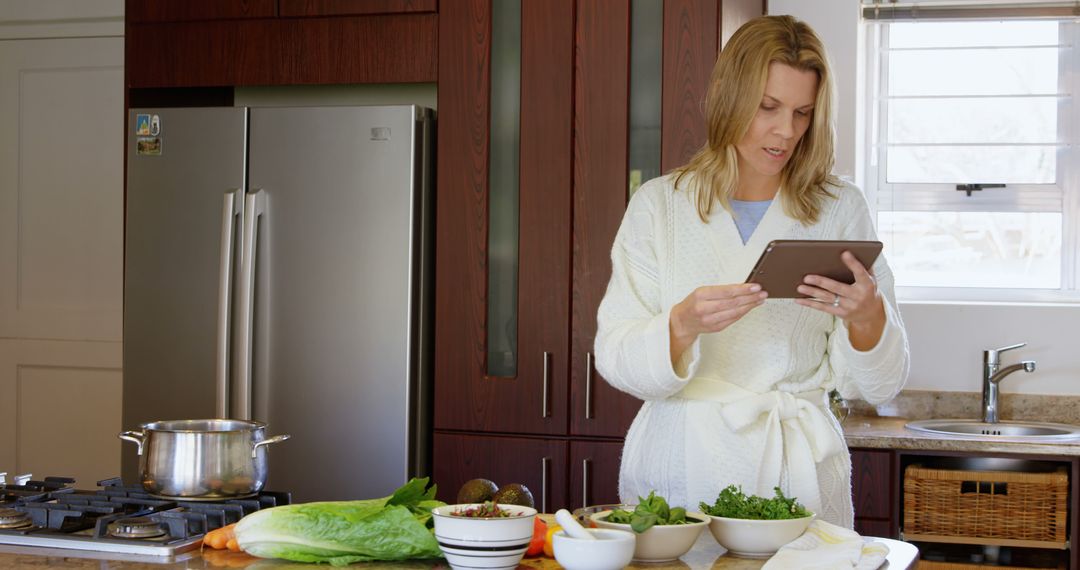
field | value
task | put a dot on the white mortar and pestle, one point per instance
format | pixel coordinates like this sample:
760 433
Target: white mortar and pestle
580 548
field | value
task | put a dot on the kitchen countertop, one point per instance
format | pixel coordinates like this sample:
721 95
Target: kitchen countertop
705 555
930 405
890 433
860 431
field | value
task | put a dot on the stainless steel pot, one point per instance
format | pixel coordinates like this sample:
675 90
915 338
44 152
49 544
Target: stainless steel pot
202 459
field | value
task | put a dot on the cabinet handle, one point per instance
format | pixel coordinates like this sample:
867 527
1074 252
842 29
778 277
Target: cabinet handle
585 463
545 411
588 385
545 465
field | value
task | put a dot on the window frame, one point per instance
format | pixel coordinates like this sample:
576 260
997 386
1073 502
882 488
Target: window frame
1062 196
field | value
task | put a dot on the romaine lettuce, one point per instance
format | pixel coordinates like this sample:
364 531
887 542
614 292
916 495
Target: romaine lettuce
397 527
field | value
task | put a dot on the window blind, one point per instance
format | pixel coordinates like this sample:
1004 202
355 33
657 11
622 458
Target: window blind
929 10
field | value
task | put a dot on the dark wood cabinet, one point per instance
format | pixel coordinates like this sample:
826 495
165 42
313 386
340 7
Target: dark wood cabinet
871 527
353 7
594 473
466 396
209 43
691 36
602 74
573 189
539 464
692 30
157 11
559 473
874 492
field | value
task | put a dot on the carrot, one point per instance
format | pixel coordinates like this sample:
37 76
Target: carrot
211 538
233 545
219 538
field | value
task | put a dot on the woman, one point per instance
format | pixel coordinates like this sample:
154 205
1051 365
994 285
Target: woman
735 385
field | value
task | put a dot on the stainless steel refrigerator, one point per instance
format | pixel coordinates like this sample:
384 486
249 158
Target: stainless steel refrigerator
277 268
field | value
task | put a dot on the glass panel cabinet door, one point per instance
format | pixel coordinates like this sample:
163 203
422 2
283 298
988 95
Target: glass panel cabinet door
503 215
598 97
638 114
602 179
646 68
504 173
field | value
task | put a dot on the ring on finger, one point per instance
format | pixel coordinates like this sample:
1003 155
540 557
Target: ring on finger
836 300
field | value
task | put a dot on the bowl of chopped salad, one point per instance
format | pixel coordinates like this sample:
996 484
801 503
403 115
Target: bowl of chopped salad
483 535
753 526
663 533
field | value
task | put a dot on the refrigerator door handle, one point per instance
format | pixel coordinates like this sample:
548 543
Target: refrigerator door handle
254 208
232 206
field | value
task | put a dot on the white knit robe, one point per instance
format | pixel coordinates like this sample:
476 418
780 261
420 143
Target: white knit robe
724 415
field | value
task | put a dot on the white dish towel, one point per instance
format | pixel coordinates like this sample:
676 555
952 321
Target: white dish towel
825 546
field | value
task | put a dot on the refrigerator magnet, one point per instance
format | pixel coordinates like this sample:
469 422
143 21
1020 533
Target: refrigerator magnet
148 146
155 125
142 125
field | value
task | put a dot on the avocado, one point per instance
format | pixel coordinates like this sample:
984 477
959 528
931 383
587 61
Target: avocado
514 494
476 491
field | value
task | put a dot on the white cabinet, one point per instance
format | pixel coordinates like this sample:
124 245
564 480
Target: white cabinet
61 237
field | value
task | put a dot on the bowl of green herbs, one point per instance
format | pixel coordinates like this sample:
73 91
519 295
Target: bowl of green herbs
663 532
755 527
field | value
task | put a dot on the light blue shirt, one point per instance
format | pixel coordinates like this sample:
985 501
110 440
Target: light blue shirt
748 215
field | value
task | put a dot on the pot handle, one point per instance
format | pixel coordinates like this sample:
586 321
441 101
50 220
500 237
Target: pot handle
268 441
136 437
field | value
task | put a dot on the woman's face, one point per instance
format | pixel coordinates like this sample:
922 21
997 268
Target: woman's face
782 118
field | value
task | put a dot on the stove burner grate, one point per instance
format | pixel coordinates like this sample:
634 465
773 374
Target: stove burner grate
114 517
14 519
136 527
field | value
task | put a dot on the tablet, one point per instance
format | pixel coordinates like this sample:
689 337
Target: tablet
784 263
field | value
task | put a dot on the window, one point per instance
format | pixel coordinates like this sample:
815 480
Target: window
972 161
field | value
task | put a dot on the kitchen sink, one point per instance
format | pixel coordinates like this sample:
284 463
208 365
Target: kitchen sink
1030 431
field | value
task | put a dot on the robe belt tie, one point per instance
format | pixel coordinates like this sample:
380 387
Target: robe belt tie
796 431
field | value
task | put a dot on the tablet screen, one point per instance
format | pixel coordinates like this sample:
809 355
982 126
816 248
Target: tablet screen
784 263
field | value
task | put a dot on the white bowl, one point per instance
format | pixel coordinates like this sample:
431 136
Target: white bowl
661 542
612 550
756 538
584 514
469 542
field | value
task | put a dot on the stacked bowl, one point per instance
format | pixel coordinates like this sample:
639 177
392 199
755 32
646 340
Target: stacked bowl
474 542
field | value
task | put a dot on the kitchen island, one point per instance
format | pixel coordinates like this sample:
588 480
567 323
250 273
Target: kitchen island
705 555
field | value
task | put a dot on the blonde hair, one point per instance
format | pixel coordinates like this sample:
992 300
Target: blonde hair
736 89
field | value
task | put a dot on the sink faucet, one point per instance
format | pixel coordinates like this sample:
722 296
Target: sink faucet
992 376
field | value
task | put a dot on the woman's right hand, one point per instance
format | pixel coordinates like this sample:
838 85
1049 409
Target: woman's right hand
709 309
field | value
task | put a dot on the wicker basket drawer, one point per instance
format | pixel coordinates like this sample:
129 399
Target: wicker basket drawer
986 507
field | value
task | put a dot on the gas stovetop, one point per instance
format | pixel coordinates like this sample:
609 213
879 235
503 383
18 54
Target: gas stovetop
114 517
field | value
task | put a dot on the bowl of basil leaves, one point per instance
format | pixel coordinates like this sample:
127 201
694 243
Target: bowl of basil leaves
663 533
753 526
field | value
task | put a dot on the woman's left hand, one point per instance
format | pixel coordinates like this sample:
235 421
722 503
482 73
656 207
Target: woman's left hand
859 304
